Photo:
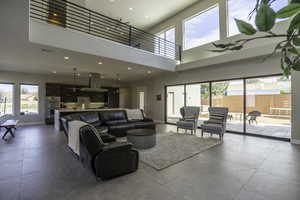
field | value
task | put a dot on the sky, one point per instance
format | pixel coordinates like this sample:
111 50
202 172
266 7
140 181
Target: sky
204 28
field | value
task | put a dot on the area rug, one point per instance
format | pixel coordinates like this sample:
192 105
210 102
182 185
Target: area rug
174 148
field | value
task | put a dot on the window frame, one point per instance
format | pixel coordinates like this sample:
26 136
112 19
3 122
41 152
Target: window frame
245 78
193 16
13 96
164 32
38 104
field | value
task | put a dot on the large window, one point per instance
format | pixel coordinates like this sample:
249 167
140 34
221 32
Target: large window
202 29
230 94
6 98
29 99
269 106
240 9
260 105
198 95
165 44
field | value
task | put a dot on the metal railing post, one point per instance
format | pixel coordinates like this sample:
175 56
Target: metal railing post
129 36
90 21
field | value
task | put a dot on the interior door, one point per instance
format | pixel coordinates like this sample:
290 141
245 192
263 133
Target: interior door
141 98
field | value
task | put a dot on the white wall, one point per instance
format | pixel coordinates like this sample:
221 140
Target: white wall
59 37
41 80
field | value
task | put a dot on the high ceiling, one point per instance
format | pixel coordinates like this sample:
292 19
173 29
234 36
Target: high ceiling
18 54
140 13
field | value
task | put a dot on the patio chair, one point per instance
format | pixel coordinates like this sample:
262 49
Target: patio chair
189 120
217 121
252 116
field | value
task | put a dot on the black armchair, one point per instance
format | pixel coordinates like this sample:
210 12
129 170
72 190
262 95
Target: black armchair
106 160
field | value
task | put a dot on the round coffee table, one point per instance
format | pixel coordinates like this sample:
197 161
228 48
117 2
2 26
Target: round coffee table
142 138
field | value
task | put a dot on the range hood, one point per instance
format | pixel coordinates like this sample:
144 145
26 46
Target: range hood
94 84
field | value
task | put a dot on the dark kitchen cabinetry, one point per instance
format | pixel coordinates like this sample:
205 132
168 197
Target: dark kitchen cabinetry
53 90
70 93
113 97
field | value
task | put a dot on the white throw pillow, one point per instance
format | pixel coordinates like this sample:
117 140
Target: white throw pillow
134 114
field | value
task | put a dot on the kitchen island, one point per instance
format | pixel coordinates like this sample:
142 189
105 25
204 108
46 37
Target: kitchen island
62 112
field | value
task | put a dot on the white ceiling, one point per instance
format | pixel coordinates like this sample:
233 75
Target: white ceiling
18 54
144 13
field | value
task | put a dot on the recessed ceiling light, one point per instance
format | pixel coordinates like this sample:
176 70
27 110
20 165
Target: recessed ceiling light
130 8
78 74
147 16
54 72
66 58
149 72
55 14
100 63
129 68
112 0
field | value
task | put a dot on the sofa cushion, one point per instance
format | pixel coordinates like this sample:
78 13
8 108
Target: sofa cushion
144 124
116 122
122 126
112 115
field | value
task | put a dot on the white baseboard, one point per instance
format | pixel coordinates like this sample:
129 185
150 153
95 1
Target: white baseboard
30 123
294 141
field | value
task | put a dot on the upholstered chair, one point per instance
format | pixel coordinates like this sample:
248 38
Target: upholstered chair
189 120
217 121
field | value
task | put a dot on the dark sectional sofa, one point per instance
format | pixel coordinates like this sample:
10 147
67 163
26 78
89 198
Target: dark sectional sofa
107 158
115 122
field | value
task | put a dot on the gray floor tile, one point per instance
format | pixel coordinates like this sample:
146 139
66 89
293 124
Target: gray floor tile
37 164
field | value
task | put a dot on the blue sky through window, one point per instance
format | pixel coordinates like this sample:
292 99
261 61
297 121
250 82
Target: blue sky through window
240 9
202 29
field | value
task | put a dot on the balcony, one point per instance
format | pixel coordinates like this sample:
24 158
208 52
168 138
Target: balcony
69 16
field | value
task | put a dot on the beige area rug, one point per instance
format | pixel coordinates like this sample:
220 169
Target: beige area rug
174 148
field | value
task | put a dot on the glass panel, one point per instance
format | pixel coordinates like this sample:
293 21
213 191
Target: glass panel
230 94
240 9
163 47
6 99
202 29
29 99
175 100
198 95
269 106
170 48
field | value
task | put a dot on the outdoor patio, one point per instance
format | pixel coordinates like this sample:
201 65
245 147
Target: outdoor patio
268 129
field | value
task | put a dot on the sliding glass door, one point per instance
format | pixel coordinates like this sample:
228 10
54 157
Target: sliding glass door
257 106
198 95
175 100
230 94
268 106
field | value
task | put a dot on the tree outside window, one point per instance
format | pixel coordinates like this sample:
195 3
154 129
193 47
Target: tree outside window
29 99
6 98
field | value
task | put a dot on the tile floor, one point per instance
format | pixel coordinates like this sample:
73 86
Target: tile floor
37 165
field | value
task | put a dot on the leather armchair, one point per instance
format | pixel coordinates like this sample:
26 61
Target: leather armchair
106 161
93 119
